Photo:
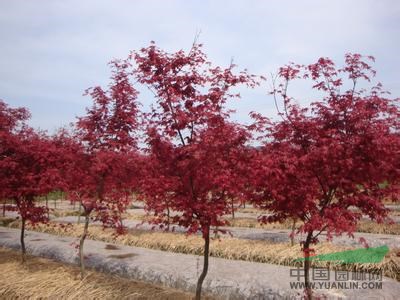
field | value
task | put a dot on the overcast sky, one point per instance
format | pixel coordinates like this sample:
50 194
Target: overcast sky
51 51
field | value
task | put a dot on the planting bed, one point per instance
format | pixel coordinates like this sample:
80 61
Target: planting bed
227 278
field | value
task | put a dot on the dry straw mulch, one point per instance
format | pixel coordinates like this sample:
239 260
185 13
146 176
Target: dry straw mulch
363 226
226 247
41 278
248 222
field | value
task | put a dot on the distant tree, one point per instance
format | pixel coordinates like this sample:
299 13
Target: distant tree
28 167
325 165
194 152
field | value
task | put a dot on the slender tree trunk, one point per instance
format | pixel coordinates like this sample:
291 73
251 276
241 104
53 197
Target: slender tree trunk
22 238
4 207
233 209
47 205
292 234
307 264
168 217
80 211
81 242
55 203
205 264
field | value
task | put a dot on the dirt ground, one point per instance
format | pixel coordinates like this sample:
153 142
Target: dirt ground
227 279
44 278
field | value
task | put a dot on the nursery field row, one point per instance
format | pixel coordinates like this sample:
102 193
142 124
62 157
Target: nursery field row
227 278
281 253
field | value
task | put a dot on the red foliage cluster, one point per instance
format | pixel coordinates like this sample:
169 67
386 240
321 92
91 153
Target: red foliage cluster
28 165
341 153
103 152
194 151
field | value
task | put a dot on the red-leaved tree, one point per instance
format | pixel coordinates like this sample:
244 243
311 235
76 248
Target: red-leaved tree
28 167
103 153
332 163
194 152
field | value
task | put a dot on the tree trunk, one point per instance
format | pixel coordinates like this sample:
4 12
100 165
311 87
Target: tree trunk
233 209
292 234
4 208
80 211
81 242
205 264
47 205
23 249
307 264
168 217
